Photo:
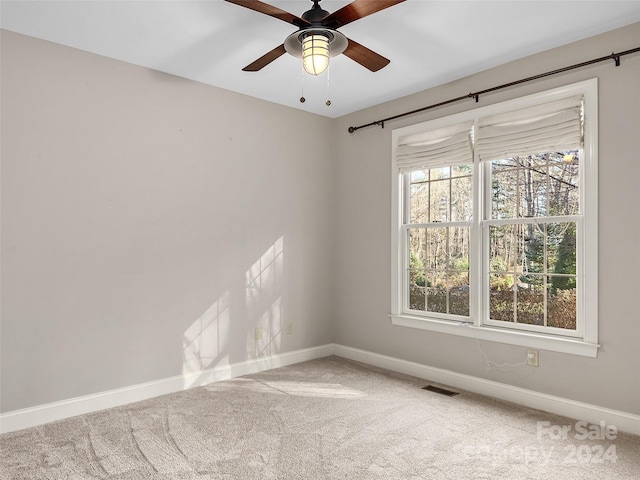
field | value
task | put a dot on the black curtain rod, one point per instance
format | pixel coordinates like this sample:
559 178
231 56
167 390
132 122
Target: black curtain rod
476 95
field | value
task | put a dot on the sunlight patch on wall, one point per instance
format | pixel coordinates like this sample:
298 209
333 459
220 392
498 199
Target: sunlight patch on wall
205 342
271 322
265 311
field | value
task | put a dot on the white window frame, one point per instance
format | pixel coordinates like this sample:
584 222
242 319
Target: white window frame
583 341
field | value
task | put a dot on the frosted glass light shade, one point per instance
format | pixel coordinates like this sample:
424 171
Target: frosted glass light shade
315 54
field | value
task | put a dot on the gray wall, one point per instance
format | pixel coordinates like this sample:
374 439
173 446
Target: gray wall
363 232
149 223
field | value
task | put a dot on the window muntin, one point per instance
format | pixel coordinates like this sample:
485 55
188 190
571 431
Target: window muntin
555 192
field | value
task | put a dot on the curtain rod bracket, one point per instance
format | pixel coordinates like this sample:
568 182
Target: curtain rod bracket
616 58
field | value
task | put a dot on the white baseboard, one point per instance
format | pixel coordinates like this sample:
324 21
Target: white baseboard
30 417
624 422
50 412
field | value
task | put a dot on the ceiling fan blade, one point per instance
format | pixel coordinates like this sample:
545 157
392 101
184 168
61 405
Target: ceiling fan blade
365 57
356 10
265 60
272 11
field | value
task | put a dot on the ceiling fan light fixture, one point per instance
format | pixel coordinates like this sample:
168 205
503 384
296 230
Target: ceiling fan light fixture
315 46
315 53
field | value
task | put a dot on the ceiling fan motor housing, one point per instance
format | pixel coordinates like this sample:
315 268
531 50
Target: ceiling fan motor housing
316 14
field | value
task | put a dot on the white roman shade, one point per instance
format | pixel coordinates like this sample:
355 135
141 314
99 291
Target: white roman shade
447 146
548 127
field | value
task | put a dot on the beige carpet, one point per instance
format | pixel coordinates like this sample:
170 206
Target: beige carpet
324 419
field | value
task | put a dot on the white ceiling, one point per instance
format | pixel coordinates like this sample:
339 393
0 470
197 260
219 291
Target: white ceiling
428 42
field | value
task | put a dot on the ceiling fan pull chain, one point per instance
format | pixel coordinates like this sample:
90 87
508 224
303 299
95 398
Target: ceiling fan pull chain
302 99
328 102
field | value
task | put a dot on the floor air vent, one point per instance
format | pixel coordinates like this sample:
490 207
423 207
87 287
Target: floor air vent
441 391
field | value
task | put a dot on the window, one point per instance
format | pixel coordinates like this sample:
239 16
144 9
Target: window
495 222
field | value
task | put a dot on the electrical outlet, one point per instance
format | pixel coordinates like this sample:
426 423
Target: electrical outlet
258 333
289 328
532 358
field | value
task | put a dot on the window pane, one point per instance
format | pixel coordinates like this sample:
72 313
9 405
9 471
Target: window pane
416 291
459 294
504 180
437 300
502 249
530 302
501 299
561 306
439 197
564 197
461 200
561 246
532 187
545 184
419 175
438 173
416 273
504 164
462 171
416 247
416 256
436 292
458 275
436 197
437 248
419 207
459 248
534 248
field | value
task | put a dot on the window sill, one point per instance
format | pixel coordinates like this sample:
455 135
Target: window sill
553 343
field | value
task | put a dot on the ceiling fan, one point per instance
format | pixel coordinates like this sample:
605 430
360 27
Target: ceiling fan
317 38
